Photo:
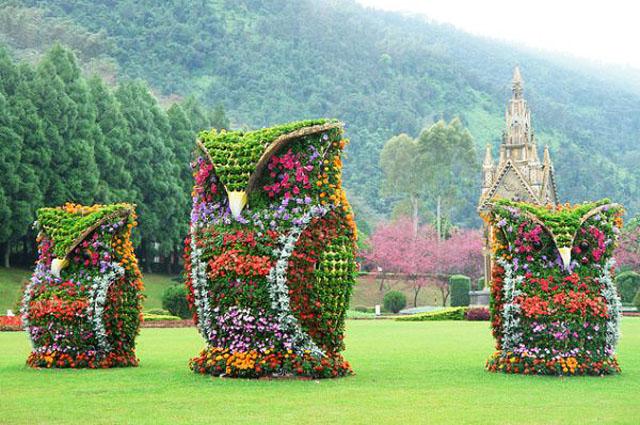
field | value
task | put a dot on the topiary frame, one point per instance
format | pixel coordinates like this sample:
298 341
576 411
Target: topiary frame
270 259
554 305
82 306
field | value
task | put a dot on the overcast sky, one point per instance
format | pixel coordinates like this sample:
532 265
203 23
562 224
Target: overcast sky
603 31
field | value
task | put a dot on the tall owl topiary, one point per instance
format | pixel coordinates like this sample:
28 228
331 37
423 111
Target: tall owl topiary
82 305
270 261
554 305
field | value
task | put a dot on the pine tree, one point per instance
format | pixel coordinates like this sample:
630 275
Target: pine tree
9 74
182 137
9 160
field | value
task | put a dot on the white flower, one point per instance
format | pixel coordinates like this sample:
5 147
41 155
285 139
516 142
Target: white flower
614 307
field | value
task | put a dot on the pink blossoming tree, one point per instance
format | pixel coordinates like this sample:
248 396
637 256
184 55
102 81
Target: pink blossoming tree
421 259
627 253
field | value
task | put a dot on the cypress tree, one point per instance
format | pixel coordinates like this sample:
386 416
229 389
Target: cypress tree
182 137
197 115
154 172
69 124
112 147
219 118
23 152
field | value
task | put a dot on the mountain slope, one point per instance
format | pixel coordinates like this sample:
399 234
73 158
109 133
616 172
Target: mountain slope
382 73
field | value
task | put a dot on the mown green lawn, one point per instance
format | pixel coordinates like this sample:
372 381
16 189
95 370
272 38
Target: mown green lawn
407 373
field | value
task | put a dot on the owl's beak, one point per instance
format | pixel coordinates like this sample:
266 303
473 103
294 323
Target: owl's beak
57 265
237 201
565 253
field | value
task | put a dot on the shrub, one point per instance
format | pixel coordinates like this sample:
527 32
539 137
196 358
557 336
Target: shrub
636 301
361 309
450 313
477 313
460 286
628 284
174 300
150 317
353 314
157 311
480 284
394 301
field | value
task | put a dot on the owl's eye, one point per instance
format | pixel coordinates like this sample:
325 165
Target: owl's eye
584 245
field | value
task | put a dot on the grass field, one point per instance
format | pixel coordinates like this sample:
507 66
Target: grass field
366 293
407 373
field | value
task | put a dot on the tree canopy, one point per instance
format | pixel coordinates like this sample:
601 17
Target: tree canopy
68 138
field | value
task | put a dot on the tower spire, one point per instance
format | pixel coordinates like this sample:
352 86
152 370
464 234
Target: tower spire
547 158
517 83
488 160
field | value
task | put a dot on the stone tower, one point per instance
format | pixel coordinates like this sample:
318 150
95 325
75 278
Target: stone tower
518 174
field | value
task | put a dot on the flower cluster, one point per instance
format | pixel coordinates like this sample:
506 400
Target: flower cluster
10 323
270 285
272 363
291 177
87 314
554 314
241 329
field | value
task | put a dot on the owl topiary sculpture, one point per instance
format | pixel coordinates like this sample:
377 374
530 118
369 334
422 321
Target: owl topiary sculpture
270 261
554 305
81 308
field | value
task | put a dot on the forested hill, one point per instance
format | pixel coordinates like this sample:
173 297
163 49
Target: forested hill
382 73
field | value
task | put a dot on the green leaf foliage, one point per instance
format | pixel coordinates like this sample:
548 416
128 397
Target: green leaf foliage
383 73
66 138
